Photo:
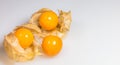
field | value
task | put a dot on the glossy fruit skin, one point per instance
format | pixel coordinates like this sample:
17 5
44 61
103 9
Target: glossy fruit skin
24 36
51 45
48 20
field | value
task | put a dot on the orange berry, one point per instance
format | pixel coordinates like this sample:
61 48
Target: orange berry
51 45
24 36
48 20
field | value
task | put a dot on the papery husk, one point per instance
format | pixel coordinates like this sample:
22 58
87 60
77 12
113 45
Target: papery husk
15 51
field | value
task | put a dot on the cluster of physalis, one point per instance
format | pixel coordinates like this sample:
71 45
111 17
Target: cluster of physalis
41 35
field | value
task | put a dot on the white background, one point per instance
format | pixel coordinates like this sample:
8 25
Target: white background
94 37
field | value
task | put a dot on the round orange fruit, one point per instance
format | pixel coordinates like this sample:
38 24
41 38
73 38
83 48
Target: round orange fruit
51 45
24 36
48 20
